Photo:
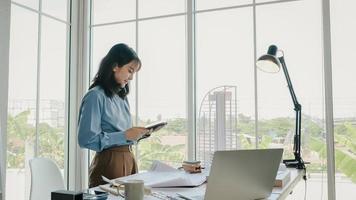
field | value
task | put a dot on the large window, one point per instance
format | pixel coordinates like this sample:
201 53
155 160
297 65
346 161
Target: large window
158 92
162 88
275 106
237 106
343 30
225 81
37 80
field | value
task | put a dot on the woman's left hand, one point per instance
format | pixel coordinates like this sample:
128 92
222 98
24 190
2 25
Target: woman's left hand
136 133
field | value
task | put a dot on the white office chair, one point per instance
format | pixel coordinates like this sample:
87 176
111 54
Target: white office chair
45 178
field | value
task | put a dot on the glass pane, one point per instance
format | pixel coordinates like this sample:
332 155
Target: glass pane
104 37
149 8
162 89
225 82
211 4
344 83
22 102
113 10
301 44
29 3
57 8
52 91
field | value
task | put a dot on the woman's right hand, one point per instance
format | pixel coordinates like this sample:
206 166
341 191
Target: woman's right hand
135 133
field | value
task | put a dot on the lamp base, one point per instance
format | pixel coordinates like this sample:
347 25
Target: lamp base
293 163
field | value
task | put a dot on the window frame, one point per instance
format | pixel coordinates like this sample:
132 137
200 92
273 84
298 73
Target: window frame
4 82
191 75
5 77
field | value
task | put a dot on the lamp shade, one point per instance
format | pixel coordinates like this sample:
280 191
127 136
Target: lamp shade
269 62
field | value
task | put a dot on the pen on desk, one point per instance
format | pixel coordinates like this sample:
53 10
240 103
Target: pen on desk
182 167
183 197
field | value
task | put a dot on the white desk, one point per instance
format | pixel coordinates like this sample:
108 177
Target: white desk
282 193
277 193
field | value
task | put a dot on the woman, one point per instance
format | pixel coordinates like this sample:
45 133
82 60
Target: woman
105 123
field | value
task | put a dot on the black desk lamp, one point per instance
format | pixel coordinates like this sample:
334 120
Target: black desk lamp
271 63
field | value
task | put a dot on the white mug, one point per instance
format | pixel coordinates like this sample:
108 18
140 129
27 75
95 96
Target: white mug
134 190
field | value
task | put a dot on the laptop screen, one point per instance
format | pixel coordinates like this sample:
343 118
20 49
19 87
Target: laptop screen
243 174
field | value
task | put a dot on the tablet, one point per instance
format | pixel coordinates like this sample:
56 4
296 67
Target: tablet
156 125
153 127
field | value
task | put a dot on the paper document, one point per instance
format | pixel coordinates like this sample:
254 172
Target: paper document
159 166
162 175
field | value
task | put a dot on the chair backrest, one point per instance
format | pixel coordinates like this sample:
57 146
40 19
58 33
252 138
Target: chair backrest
45 178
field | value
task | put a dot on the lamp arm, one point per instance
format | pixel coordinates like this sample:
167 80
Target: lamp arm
297 106
298 112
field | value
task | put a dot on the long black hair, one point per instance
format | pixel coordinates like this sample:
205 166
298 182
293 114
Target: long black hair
119 55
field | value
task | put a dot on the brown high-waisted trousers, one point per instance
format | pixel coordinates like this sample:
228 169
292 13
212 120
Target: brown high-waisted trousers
112 163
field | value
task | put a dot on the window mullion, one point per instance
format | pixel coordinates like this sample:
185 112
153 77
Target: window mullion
191 79
79 81
255 71
38 90
4 83
329 118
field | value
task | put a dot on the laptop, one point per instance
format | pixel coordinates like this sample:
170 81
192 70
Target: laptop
243 174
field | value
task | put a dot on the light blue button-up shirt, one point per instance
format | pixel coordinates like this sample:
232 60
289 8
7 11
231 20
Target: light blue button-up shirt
103 121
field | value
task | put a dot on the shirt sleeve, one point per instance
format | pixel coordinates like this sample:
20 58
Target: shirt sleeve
90 134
